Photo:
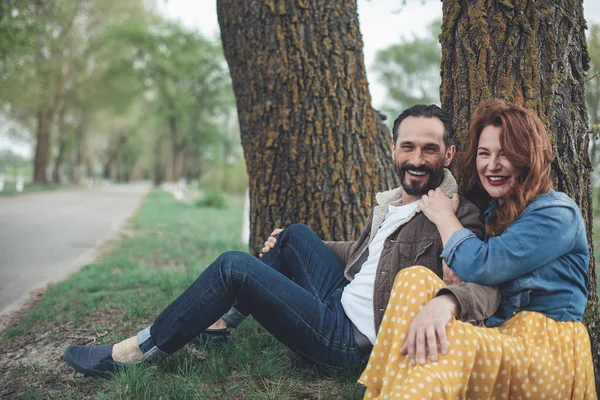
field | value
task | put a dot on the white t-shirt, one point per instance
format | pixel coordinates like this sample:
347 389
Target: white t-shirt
357 298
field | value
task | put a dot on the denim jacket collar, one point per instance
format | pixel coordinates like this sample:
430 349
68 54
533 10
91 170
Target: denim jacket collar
488 212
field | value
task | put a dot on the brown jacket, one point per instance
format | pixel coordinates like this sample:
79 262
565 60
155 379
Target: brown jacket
416 242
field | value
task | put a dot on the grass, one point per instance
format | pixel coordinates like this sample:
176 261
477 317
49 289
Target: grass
10 188
165 247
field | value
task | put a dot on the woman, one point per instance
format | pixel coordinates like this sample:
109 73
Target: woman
535 250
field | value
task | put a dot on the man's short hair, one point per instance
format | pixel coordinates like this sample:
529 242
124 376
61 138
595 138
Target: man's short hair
426 111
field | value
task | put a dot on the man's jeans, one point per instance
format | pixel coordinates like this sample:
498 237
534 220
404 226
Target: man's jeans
305 314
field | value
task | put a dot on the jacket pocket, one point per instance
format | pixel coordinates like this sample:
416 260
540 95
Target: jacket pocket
414 251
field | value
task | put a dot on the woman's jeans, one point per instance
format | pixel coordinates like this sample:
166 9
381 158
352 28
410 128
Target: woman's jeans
305 314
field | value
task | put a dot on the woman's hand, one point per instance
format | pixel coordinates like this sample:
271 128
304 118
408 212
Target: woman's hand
441 211
427 330
438 207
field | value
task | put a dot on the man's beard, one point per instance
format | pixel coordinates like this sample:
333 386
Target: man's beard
414 188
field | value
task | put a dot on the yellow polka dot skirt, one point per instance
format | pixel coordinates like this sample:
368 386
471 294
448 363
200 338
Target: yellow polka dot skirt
530 356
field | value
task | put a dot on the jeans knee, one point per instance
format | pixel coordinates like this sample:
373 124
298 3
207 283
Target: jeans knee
233 258
294 230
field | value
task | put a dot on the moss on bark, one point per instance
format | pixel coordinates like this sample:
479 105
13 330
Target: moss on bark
313 149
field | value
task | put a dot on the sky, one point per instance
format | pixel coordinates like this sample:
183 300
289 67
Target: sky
382 23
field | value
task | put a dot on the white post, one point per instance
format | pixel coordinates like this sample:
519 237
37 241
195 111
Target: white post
19 183
181 191
1 182
178 194
246 221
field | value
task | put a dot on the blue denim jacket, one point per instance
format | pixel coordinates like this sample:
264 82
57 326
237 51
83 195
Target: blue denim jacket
540 262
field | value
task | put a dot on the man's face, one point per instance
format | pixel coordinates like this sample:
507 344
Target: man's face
420 155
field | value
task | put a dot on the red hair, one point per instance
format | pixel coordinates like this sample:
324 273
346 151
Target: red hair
527 146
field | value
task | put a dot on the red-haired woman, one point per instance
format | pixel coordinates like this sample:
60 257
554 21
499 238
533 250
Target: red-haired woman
535 345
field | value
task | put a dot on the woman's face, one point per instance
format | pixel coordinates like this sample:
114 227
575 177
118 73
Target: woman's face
497 175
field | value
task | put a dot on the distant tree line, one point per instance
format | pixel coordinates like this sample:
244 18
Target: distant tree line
108 87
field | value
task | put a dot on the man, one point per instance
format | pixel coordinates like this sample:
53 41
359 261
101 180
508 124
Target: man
332 309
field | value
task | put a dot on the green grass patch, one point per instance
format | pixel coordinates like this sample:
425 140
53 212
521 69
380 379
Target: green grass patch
165 247
212 198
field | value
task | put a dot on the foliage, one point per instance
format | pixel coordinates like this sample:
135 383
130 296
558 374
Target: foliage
112 83
168 244
230 178
410 71
15 31
213 198
52 68
592 96
11 161
185 80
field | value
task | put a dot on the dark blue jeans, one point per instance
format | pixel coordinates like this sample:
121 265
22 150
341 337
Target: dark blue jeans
305 314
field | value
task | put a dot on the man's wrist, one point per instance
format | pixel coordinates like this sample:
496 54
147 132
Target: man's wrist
452 303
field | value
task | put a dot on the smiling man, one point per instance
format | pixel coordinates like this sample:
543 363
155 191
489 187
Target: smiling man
332 308
421 148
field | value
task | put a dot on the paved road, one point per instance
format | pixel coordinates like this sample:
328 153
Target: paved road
46 237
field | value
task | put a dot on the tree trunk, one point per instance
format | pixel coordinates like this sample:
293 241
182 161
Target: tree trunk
61 106
79 162
531 53
158 175
42 147
313 150
177 150
62 147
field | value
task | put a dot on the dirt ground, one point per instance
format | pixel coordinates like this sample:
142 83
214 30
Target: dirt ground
31 364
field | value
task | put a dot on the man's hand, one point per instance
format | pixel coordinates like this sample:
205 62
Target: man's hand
427 330
270 242
448 275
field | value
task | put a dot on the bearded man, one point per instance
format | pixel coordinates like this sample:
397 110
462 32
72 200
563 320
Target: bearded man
323 300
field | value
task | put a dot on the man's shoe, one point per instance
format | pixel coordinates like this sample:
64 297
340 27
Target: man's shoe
212 338
92 360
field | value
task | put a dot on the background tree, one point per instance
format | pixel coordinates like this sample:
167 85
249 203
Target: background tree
313 151
96 84
37 73
185 81
410 71
531 53
592 98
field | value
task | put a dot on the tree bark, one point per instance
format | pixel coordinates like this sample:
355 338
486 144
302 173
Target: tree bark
62 147
177 150
61 106
79 162
313 150
158 176
42 147
531 53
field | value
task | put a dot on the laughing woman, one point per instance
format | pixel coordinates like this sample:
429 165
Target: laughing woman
535 345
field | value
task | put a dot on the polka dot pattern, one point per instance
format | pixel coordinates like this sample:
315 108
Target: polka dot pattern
530 356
